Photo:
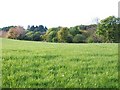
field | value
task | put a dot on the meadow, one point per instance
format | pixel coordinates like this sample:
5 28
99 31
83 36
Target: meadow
29 64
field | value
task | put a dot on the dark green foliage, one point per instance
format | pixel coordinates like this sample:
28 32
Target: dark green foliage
63 34
29 35
58 34
79 38
42 28
109 29
33 36
39 28
87 27
118 29
7 28
74 30
21 37
31 28
82 27
37 36
69 38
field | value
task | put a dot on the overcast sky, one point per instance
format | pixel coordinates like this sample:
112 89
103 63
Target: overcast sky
53 13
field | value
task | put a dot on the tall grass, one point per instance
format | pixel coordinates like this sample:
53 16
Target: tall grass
27 64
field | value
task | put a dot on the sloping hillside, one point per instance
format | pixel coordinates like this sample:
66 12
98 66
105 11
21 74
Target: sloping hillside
29 64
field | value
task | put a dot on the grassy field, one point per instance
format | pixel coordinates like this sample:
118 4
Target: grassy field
27 64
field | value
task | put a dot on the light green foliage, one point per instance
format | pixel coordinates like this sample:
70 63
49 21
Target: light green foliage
51 35
27 64
62 34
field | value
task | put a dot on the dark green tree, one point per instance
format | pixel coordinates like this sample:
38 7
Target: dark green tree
79 38
69 38
109 29
74 30
37 36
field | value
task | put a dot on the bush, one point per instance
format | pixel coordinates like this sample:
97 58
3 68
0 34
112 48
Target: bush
55 39
95 39
33 36
36 36
62 34
74 30
50 36
29 35
79 38
69 39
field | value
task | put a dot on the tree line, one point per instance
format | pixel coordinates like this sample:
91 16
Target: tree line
107 30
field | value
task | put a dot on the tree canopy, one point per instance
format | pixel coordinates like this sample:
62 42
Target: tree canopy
107 30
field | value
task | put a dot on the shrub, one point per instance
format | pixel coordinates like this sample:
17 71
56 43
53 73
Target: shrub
36 36
55 39
95 39
50 36
69 39
62 34
74 30
79 38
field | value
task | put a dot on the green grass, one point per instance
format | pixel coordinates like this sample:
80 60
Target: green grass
27 64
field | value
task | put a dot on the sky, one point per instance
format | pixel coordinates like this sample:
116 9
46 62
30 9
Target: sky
53 13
